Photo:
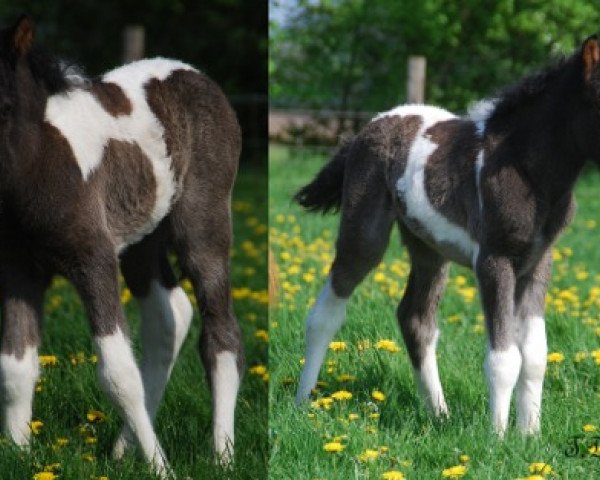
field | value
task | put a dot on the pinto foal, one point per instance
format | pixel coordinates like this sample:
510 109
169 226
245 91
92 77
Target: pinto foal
124 167
491 193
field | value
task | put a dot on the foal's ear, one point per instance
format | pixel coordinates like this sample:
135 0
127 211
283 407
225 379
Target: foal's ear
22 35
590 52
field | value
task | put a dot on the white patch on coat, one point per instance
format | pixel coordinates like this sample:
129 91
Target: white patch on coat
411 185
88 127
478 168
225 384
166 318
428 380
534 351
502 368
479 112
121 380
18 377
324 320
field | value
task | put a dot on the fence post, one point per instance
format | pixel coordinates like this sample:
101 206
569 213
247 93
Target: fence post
133 43
415 85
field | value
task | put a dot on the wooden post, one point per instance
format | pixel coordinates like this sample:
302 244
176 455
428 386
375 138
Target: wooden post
415 85
133 43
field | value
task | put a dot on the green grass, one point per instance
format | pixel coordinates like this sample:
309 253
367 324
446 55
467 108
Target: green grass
419 447
184 421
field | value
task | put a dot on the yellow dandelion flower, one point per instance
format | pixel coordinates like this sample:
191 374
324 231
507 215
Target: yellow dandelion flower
540 467
262 335
555 357
341 395
460 280
353 416
103 477
374 415
464 458
77 358
333 447
589 428
61 442
368 455
308 277
48 360
259 370
95 416
379 277
383 449
88 457
51 467
125 296
44 476
36 426
392 475
594 450
91 440
556 255
94 358
378 396
337 346
388 345
345 377
581 275
531 477
579 356
454 472
478 329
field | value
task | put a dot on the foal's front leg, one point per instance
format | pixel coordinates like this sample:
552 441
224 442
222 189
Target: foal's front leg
503 361
530 300
22 299
95 276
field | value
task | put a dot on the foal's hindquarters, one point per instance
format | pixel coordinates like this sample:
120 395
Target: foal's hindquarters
87 221
379 179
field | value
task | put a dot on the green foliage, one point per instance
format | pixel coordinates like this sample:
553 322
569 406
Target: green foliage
352 54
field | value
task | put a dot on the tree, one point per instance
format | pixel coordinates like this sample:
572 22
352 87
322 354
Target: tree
352 54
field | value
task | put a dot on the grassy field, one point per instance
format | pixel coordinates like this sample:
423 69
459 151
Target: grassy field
75 448
392 437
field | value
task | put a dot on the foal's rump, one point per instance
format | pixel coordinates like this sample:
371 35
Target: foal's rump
424 160
139 132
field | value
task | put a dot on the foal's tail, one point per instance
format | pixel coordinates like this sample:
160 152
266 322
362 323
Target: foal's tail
324 193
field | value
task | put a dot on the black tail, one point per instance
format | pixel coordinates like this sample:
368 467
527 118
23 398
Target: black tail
324 193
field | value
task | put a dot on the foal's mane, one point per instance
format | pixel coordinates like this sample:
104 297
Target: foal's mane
530 88
55 73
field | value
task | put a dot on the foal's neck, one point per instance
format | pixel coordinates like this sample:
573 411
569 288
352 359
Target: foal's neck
542 147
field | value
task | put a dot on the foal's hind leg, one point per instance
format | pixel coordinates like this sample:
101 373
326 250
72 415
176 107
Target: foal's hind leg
362 240
530 296
166 314
22 299
417 317
93 270
202 230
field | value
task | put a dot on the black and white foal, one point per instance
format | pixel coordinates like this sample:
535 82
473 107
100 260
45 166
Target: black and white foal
127 166
491 192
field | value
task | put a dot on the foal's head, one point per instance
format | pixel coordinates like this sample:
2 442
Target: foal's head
28 74
588 127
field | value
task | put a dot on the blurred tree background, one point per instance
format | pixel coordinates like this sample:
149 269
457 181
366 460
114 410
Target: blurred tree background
352 54
226 39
